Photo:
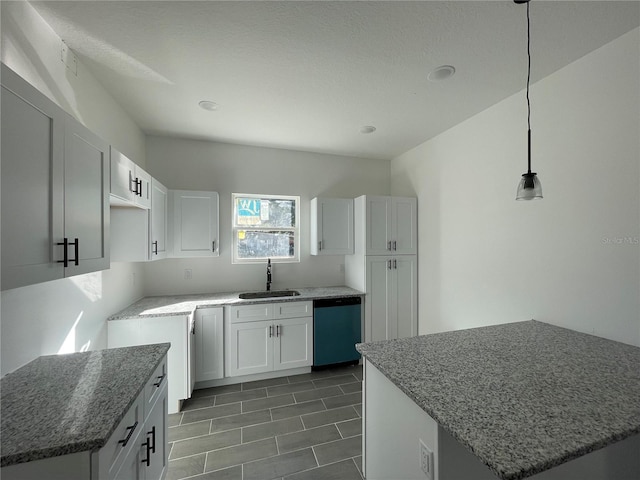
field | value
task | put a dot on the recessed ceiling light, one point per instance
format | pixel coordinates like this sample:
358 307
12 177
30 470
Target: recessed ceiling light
441 73
208 105
367 129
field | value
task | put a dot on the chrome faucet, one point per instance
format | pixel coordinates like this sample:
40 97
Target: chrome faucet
268 274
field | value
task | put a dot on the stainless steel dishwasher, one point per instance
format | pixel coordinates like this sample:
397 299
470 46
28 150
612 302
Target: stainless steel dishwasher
337 327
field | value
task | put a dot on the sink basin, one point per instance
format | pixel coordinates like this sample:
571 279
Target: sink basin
268 294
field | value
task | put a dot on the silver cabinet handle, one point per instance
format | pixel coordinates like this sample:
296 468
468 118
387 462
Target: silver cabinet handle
213 246
270 331
395 263
395 245
389 264
277 330
320 245
389 245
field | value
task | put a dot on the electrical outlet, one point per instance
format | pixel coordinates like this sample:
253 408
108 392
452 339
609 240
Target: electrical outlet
426 460
188 274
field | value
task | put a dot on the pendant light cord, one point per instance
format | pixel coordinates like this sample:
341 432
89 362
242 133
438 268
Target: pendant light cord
528 81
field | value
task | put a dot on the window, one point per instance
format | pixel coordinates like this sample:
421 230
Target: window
265 226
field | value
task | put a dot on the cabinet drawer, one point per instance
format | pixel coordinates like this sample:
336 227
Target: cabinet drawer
123 438
153 388
251 313
292 309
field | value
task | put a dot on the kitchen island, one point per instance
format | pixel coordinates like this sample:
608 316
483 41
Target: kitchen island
521 400
86 416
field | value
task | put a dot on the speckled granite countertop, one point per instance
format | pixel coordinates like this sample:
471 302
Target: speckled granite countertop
185 304
62 404
523 397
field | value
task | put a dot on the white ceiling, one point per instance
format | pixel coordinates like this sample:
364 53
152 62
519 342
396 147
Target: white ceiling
308 75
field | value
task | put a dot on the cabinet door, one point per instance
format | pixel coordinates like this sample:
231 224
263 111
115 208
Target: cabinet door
378 225
158 236
404 295
332 226
154 444
132 469
143 198
195 224
249 348
32 184
209 344
404 227
122 178
293 343
86 199
378 320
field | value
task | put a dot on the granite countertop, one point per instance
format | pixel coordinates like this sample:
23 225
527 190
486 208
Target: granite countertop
162 306
523 397
63 404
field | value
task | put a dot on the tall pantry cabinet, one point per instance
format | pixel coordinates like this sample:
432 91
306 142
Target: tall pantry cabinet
385 265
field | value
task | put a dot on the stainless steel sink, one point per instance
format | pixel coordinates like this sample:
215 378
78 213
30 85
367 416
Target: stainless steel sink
268 294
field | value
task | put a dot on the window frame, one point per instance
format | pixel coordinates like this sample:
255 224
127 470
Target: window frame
235 259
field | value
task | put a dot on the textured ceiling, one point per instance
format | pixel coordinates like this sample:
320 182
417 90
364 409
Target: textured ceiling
309 75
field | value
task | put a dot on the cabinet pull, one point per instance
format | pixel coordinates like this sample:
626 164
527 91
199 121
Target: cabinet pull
277 330
76 249
155 247
131 429
395 245
320 245
65 254
140 188
389 264
65 245
147 460
270 331
213 246
153 437
160 379
389 245
395 263
133 182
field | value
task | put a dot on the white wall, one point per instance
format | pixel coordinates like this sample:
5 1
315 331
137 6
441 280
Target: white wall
65 315
227 169
571 259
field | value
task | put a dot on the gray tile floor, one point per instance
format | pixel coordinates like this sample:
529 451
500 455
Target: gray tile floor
304 427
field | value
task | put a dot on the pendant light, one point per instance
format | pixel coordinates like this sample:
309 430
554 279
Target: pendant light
529 187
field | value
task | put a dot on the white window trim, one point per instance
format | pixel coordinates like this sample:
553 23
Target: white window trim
234 230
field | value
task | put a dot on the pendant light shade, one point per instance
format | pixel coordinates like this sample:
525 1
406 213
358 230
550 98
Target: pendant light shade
529 187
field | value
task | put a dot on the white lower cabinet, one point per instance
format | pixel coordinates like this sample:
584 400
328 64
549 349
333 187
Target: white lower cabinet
209 338
177 330
391 300
147 459
268 337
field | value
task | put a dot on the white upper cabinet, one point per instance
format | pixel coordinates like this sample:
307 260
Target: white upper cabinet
158 223
130 184
331 226
32 184
55 190
390 225
195 224
86 199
